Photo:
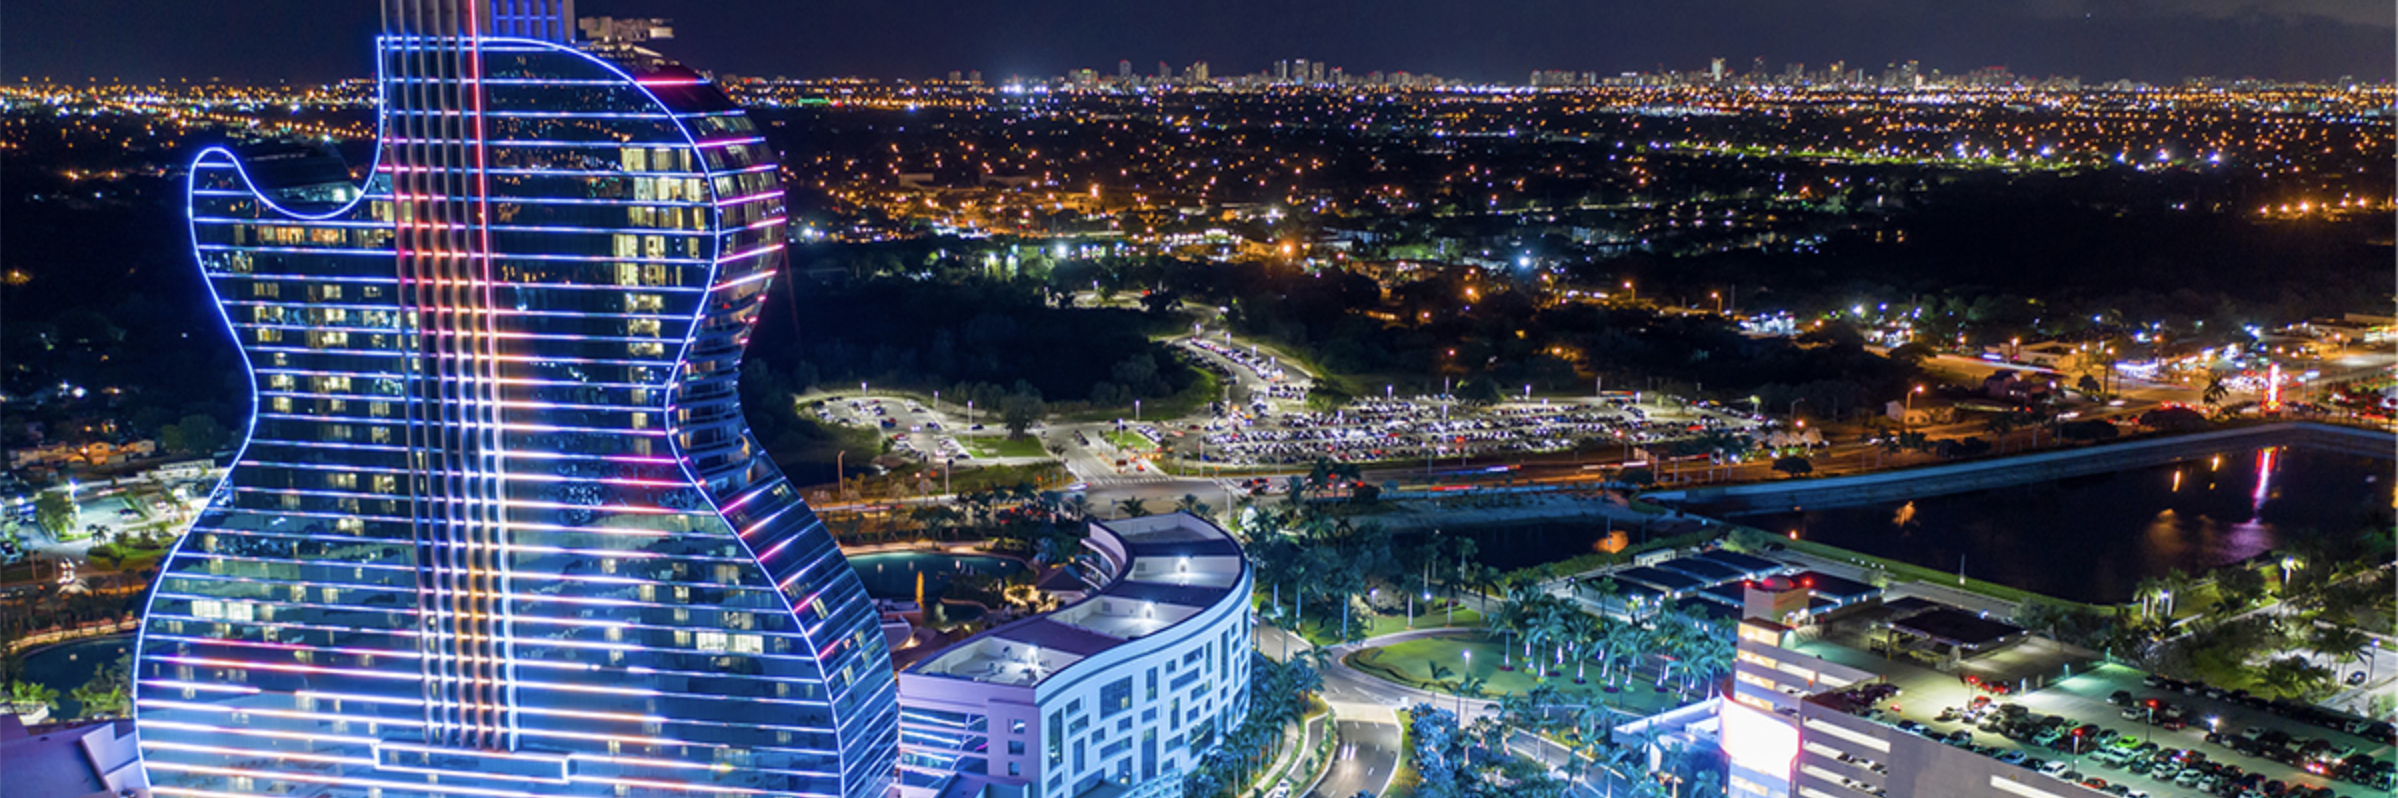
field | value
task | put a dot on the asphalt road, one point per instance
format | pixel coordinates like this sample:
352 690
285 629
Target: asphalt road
1368 752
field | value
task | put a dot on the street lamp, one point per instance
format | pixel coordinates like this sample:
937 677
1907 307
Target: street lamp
2287 564
1719 301
1910 419
1461 676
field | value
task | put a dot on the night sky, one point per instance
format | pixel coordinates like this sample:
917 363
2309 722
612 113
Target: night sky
1496 40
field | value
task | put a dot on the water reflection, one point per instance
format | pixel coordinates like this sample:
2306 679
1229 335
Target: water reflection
2094 538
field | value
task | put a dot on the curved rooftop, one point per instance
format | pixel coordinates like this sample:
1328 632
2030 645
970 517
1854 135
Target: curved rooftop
1155 573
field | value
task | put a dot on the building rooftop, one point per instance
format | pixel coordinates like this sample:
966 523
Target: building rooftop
1750 566
1165 569
1957 627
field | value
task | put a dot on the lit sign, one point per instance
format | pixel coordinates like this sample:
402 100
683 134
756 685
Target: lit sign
1757 740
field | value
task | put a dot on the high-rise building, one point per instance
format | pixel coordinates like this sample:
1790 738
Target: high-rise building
498 527
1124 69
1282 71
1299 71
1121 692
1199 72
1715 70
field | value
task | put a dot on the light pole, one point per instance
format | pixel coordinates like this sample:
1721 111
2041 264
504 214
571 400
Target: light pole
2287 564
1461 677
1909 420
1719 301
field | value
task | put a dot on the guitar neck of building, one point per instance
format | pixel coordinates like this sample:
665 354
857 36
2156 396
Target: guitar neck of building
544 20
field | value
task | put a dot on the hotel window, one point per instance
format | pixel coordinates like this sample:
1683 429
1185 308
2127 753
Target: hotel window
387 483
266 289
1115 697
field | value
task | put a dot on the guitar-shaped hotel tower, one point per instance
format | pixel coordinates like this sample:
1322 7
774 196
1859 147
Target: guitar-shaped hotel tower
498 528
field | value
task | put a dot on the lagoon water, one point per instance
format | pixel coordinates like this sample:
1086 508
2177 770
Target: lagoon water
2094 538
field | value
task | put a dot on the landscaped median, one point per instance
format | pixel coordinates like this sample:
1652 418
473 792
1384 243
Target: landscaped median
1326 631
1303 766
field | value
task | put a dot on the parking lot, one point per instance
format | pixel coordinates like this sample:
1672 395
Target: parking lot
2082 700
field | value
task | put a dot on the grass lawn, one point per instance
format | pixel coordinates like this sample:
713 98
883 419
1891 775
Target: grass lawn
1325 630
1909 572
1002 446
1129 440
1410 663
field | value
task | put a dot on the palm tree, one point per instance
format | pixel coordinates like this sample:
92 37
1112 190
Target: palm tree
2177 583
1999 424
1440 673
25 695
1132 507
1189 503
1585 631
102 700
1471 686
1634 647
2147 591
1078 506
2339 643
2215 391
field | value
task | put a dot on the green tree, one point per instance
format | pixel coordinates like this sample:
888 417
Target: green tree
29 694
1638 477
2339 643
1440 673
1018 412
199 433
55 511
1132 507
1324 398
2215 392
2239 586
1794 466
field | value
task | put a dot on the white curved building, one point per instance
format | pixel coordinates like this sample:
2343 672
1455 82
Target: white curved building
1121 692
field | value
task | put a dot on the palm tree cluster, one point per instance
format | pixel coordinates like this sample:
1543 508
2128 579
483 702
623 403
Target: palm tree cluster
1280 694
1315 565
1693 652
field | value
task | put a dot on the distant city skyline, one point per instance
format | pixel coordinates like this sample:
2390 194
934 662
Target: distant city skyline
2163 41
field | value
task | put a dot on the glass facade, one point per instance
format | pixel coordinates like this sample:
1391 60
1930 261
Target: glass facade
498 528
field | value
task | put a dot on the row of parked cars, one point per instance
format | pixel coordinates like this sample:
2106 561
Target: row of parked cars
2321 756
2379 731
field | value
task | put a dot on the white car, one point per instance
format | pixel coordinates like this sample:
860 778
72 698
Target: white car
2056 768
